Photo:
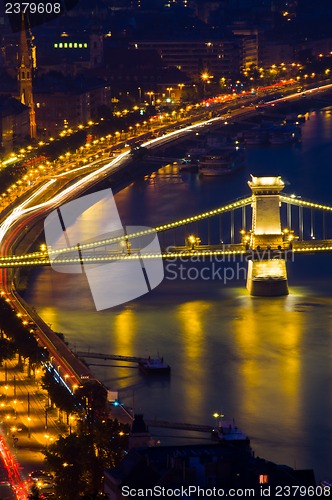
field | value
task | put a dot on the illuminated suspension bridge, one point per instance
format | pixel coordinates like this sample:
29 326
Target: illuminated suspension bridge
264 227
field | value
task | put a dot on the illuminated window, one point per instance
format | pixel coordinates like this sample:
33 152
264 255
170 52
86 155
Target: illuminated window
65 45
85 45
80 45
70 45
263 479
55 45
60 45
75 45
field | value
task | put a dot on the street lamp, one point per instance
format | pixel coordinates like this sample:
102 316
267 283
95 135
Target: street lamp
181 85
205 78
219 416
49 439
71 420
193 241
169 89
29 427
46 419
150 94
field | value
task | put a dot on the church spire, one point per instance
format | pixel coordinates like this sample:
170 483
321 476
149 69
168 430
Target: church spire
24 54
25 77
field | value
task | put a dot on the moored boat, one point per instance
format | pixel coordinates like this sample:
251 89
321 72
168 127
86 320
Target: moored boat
223 162
151 366
228 431
280 138
255 136
188 166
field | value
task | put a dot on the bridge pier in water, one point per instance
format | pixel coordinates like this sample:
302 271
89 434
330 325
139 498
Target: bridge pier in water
267 273
267 278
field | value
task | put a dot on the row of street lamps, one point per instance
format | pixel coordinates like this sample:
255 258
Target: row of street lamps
7 417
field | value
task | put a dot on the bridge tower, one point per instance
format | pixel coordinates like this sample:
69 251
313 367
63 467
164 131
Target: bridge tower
267 274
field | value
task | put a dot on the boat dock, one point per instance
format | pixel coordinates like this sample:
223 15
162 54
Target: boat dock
179 425
148 365
224 430
113 357
162 160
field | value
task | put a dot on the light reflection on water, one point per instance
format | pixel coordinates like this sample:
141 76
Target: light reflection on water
265 366
265 362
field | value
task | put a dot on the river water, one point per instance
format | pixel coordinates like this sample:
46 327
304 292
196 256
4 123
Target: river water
266 362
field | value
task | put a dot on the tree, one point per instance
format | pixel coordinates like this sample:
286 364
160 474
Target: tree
93 397
7 349
82 457
58 393
75 464
23 340
34 495
111 441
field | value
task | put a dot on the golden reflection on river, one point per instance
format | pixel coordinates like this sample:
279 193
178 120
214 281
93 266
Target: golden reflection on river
192 318
269 339
51 316
124 332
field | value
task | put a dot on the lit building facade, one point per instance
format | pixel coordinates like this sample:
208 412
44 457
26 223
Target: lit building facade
14 123
192 57
68 101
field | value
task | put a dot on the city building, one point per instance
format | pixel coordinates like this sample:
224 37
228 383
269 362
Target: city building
193 57
68 101
139 434
14 123
221 465
142 75
250 43
276 52
69 53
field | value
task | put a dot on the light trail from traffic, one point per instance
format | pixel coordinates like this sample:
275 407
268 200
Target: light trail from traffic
303 93
79 185
12 468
